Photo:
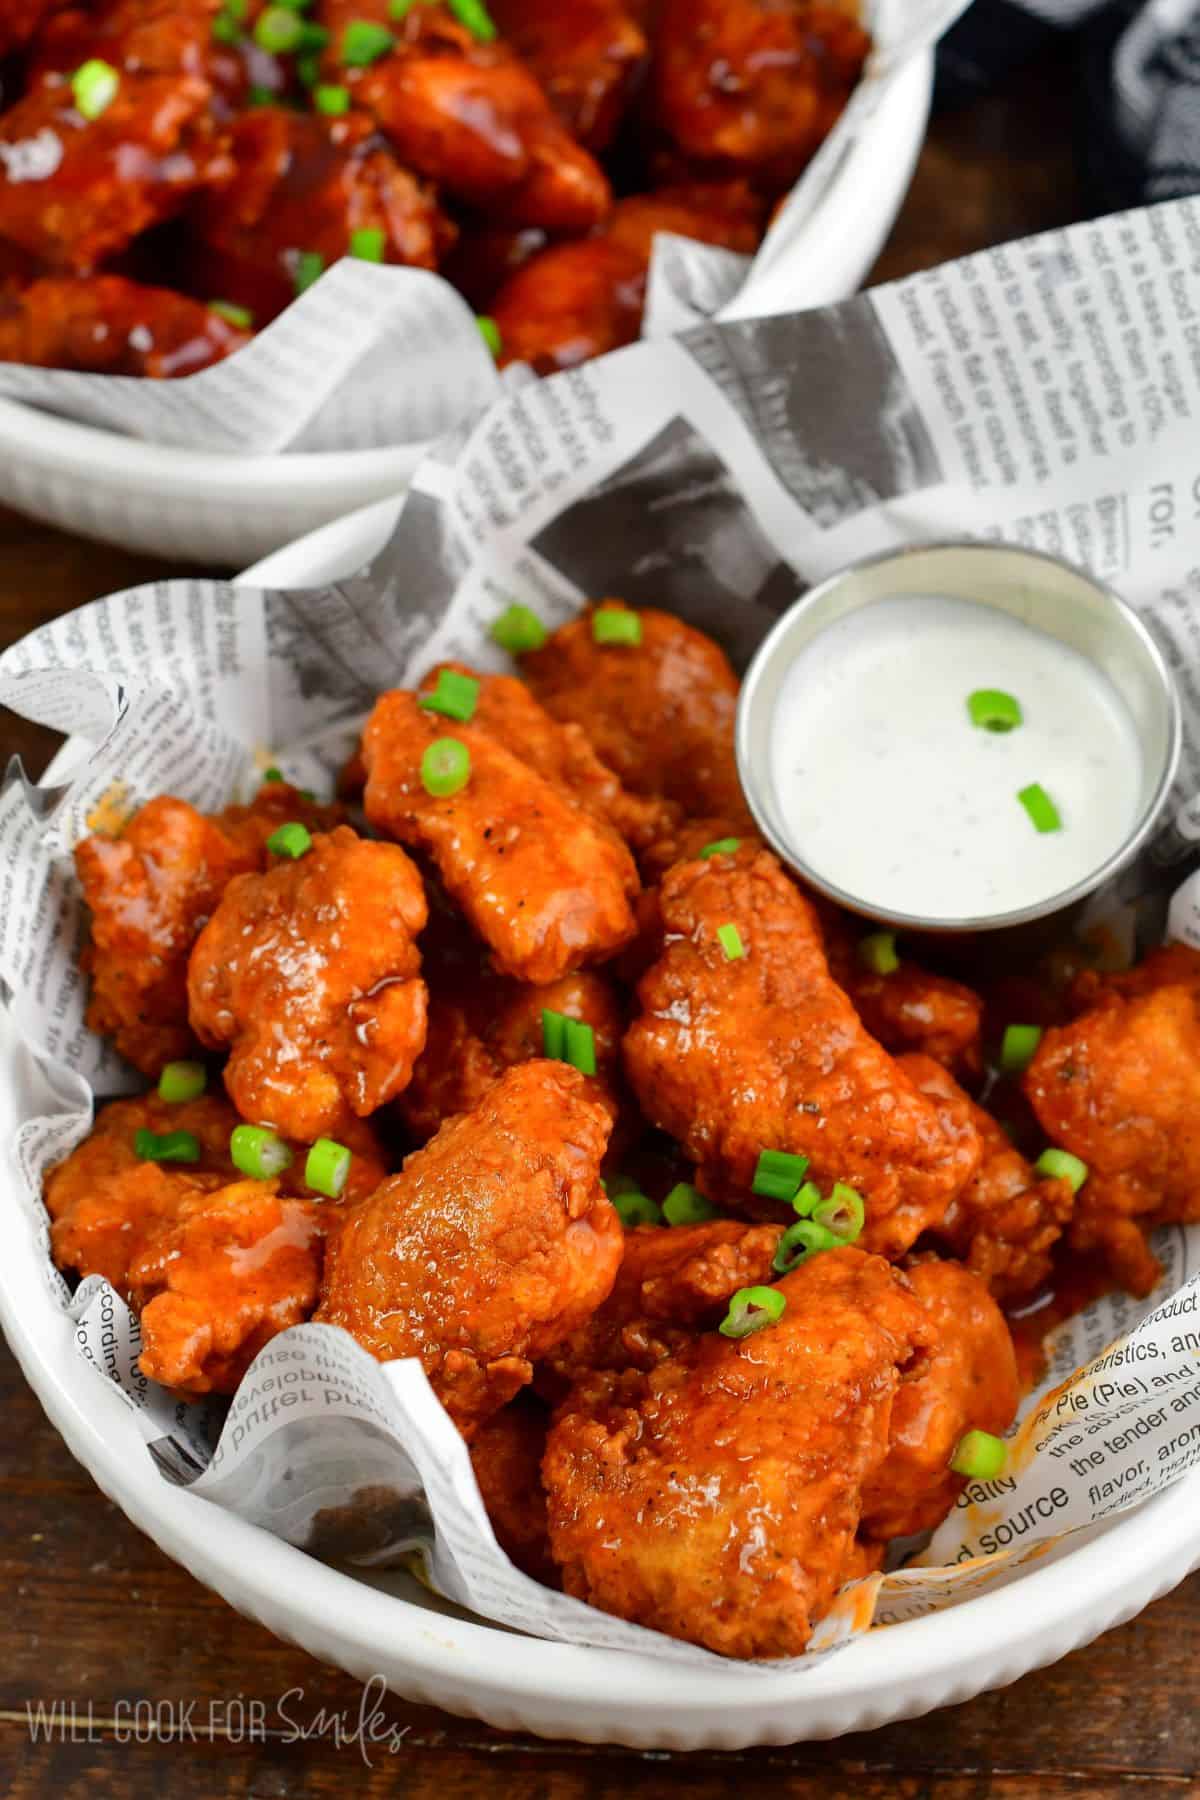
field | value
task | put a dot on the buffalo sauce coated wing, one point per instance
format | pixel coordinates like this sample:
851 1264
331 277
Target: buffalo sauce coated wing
149 892
1005 1222
660 713
717 1498
543 883
309 972
761 1050
107 325
587 55
911 1008
966 1382
493 1243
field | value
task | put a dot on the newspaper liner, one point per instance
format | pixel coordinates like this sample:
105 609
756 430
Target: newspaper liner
1044 393
374 356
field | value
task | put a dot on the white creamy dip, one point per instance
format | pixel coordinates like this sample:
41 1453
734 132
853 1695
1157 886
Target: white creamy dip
888 791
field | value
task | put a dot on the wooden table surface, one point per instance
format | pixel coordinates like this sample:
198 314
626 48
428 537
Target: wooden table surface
94 1616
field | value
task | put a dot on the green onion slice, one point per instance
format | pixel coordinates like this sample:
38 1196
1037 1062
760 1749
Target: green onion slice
1061 1164
369 243
720 847
332 100
1018 1046
1040 807
801 1241
273 774
474 15
239 316
778 1174
455 696
806 1201
686 1205
991 709
364 42
554 1035
181 1081
167 1146
979 1455
400 9
489 331
225 28
292 839
580 1046
326 1167
633 1208
259 96
445 767
518 629
308 68
730 940
310 266
278 30
257 1152
878 953
94 87
844 1213
313 38
616 625
750 1309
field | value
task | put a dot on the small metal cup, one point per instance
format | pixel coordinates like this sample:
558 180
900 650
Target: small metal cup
1039 590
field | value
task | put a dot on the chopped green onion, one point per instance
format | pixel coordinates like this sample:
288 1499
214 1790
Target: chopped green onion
400 9
237 9
94 87
581 1046
991 709
1018 1046
292 839
878 953
979 1455
1061 1164
554 1035
239 316
720 847
445 767
278 30
295 5
801 1241
310 266
181 1081
750 1309
326 1167
474 15
258 1152
262 96
489 331
730 940
616 625
518 629
686 1205
167 1146
1040 807
225 29
778 1174
308 68
843 1213
805 1203
369 243
455 696
633 1208
331 100
273 774
364 42
313 37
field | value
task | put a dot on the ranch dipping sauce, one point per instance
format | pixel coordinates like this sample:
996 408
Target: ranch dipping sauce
887 789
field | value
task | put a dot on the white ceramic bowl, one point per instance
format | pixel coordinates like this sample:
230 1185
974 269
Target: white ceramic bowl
386 1624
227 510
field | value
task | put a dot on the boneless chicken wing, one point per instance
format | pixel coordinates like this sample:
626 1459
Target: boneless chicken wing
717 1498
493 1243
506 1455
543 883
107 325
909 1008
309 973
748 1044
587 55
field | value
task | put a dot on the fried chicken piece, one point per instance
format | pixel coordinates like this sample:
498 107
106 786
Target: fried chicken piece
1119 1087
493 1243
661 715
150 892
469 116
543 883
717 1498
233 1269
763 1051
966 1382
304 184
691 836
506 1455
587 56
911 1008
1171 965
1005 1222
19 19
578 300
74 190
673 1282
753 87
561 752
309 972
485 255
106 325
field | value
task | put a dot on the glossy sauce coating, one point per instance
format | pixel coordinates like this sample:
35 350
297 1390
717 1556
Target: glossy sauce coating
588 57
111 326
